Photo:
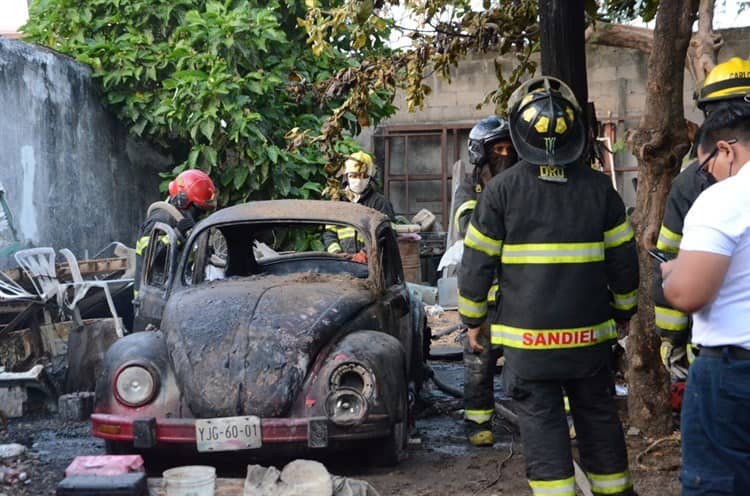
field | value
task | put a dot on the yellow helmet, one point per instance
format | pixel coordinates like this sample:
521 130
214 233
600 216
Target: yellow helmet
360 162
730 79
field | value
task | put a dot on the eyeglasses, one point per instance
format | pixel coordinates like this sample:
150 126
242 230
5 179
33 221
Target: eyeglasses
703 167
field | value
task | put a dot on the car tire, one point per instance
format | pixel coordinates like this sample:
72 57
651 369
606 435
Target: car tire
391 450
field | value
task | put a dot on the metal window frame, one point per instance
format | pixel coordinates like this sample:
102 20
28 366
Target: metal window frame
446 132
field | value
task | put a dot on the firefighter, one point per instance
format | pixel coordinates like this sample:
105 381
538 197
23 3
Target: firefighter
191 194
359 169
726 85
556 234
490 152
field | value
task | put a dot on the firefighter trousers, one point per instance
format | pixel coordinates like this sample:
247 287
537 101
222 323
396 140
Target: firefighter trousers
545 436
479 372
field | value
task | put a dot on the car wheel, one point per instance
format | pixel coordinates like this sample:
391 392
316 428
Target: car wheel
391 450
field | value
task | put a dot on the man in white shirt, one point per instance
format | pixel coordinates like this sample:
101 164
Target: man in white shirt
711 279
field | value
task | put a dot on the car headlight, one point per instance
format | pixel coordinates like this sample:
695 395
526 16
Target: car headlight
135 385
346 406
353 376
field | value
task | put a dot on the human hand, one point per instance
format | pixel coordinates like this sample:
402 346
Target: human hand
473 334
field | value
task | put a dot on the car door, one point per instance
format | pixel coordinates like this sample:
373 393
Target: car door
396 299
157 276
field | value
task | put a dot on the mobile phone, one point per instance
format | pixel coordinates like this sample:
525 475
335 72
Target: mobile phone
659 256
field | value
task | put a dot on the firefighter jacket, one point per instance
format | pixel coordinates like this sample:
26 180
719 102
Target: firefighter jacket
673 324
465 201
156 214
564 252
345 239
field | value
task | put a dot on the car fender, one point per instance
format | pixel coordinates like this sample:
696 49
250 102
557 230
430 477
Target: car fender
147 349
379 352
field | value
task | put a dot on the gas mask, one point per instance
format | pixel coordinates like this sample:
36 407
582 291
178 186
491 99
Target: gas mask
358 185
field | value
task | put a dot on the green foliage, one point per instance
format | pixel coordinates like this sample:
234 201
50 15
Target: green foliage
218 83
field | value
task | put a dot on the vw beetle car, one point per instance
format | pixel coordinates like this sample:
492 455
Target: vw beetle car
262 350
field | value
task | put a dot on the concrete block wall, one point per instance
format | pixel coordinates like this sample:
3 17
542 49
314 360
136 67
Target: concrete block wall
617 86
73 176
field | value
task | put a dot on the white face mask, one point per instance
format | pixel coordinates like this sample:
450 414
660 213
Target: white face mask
358 186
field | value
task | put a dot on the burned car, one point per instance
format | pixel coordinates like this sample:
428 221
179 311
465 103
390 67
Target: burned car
266 343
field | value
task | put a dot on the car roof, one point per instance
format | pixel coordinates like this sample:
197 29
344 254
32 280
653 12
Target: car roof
295 210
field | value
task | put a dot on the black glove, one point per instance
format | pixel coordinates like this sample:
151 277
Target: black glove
184 225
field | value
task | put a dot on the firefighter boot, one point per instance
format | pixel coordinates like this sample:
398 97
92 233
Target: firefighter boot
479 434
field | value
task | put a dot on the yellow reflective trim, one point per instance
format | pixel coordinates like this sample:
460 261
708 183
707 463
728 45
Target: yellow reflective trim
553 253
610 483
472 309
560 125
626 301
492 293
332 228
542 124
334 248
552 339
479 416
529 113
668 241
467 205
481 242
670 319
561 487
346 232
141 245
618 235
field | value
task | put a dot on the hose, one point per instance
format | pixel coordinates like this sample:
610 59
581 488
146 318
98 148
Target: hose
500 409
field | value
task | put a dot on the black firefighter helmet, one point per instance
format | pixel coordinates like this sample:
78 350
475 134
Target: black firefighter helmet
545 122
484 132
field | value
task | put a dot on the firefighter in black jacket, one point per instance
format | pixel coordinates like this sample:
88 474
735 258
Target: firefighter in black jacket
556 233
490 152
726 85
359 168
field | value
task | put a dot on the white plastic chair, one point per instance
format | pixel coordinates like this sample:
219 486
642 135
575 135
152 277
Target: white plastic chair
82 286
39 266
10 290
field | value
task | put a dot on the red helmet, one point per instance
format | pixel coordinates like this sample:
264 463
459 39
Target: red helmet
193 187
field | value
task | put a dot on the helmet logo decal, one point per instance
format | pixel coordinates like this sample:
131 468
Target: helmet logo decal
552 173
549 144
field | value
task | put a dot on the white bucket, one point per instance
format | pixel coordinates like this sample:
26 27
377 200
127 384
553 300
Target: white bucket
191 480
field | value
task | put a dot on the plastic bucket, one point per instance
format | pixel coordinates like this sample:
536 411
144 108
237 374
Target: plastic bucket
191 480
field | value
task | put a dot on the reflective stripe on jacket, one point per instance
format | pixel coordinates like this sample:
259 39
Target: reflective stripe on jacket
339 239
567 265
670 323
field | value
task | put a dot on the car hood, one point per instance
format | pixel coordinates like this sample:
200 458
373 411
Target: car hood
243 346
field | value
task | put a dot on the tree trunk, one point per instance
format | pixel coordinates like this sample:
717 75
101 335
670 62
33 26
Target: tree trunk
704 45
659 144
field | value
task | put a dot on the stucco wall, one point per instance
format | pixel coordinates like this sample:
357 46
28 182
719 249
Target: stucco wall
73 176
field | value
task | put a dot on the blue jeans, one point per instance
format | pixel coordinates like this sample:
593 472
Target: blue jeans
716 428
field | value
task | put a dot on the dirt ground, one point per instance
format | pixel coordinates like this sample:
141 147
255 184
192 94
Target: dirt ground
439 462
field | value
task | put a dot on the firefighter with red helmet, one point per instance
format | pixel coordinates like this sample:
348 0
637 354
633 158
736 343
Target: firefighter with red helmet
191 194
555 233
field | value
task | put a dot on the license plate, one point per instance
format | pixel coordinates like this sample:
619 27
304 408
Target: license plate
228 433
